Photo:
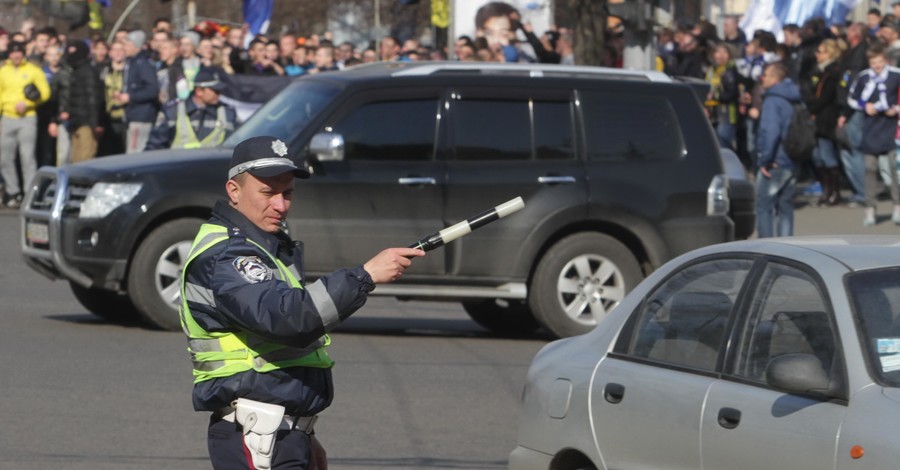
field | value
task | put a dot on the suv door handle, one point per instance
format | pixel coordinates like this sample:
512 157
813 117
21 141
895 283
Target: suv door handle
412 181
556 179
729 418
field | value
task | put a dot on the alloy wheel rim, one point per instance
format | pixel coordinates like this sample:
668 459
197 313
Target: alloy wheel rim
588 287
167 275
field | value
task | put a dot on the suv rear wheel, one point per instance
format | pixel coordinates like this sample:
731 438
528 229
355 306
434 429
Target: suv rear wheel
154 279
106 304
505 317
579 280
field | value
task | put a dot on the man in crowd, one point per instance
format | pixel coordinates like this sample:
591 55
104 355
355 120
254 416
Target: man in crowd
850 122
82 103
874 93
113 77
23 86
324 61
141 94
199 121
775 181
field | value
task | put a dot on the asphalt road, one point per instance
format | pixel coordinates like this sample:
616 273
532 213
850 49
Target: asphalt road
418 385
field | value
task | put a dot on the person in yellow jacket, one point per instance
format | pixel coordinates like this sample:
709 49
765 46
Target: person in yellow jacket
23 86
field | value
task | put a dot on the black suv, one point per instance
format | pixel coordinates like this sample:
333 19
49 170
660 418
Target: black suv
620 172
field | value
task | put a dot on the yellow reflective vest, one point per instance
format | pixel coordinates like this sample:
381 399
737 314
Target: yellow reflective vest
186 137
223 354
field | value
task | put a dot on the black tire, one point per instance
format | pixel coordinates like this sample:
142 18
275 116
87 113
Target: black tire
106 304
502 316
154 278
569 294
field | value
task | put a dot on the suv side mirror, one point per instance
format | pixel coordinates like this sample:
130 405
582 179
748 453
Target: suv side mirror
327 147
798 373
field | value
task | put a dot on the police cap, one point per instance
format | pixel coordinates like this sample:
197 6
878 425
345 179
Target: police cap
209 78
263 156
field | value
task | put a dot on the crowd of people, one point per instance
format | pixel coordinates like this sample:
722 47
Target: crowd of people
845 76
68 100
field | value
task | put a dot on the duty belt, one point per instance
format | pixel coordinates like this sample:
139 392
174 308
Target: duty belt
304 424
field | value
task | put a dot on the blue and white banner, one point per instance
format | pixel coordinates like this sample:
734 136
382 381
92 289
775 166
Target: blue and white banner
772 15
257 14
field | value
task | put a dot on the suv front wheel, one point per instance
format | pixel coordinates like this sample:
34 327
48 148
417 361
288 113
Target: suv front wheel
154 279
579 280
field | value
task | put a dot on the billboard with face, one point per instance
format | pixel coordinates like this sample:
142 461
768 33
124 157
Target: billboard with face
496 21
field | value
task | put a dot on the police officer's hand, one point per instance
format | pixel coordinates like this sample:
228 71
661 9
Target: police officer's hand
389 265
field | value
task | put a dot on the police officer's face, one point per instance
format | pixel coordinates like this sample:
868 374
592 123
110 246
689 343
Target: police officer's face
263 200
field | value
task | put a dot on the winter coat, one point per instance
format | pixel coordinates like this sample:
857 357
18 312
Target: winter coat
142 87
775 118
820 95
84 98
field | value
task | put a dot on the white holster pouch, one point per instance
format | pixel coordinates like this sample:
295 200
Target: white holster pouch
260 421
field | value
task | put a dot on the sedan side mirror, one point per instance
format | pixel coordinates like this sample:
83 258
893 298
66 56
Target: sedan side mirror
327 147
798 373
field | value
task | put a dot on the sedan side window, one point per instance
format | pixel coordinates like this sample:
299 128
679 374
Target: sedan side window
390 130
788 315
683 322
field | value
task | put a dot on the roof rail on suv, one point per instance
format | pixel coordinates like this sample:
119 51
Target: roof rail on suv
532 70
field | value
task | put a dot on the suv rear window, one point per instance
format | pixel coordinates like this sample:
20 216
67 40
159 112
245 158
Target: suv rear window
630 126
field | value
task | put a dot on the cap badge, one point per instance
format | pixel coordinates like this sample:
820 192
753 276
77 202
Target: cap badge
279 148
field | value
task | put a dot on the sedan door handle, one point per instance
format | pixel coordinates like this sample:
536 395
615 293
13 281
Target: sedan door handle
729 418
413 181
556 179
614 392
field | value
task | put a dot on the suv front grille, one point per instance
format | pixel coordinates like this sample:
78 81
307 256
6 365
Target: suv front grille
77 194
46 191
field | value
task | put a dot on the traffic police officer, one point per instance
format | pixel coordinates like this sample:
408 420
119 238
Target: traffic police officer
257 333
200 121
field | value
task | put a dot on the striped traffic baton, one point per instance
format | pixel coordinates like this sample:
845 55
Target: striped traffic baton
453 232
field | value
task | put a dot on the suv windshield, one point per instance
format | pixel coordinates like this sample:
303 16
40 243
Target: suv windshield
876 296
287 113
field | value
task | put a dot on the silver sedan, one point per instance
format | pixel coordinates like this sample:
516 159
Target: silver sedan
775 354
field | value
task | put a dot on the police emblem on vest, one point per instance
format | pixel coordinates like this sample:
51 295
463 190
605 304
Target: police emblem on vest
252 269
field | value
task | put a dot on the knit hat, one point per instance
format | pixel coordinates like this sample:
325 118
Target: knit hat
194 37
138 38
78 52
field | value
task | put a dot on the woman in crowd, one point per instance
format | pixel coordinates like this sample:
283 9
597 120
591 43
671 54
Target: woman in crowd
820 94
722 101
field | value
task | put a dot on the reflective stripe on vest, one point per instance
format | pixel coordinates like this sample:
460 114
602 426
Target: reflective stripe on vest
186 137
222 354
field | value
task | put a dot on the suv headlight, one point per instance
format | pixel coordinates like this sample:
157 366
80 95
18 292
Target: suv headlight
103 198
717 201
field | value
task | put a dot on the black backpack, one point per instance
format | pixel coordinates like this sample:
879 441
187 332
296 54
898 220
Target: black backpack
800 139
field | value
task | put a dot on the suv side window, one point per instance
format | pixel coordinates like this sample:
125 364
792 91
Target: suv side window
789 315
390 130
484 129
683 322
630 126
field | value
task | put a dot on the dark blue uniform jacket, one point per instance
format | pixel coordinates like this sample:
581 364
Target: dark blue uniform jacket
272 310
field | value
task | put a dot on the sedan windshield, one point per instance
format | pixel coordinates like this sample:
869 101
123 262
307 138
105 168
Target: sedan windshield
876 297
287 113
